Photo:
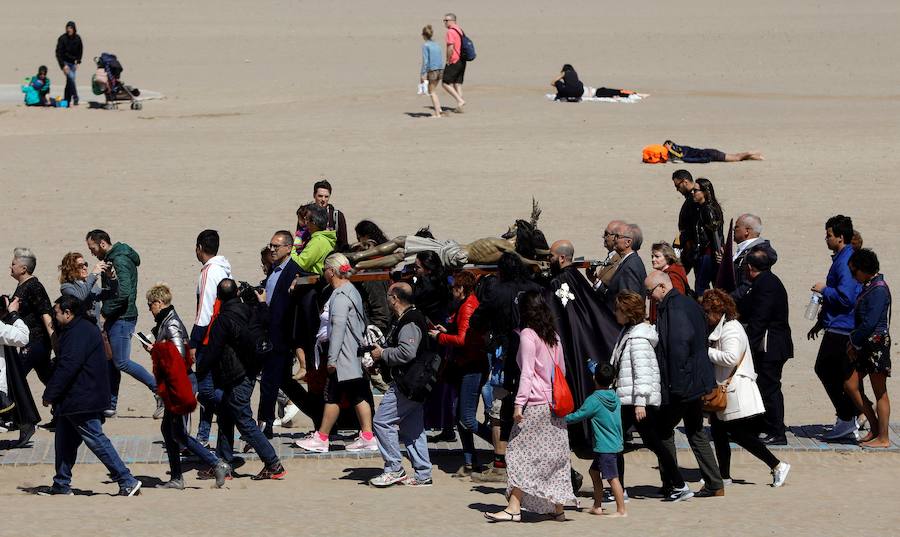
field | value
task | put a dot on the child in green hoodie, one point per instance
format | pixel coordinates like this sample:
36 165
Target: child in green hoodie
604 411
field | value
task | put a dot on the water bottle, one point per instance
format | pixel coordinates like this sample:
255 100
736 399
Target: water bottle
815 304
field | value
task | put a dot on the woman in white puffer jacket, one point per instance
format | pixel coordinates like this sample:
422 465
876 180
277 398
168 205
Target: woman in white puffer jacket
729 351
638 383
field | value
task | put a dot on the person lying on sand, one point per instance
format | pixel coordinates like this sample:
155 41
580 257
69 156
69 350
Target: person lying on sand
685 153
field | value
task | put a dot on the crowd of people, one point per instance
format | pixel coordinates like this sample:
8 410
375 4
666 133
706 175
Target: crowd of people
640 352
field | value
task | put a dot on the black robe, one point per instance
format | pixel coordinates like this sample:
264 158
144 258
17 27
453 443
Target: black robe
25 411
588 331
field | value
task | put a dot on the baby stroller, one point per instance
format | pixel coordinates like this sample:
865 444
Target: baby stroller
107 81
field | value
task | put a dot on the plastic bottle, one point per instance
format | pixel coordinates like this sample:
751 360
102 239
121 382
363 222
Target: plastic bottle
815 304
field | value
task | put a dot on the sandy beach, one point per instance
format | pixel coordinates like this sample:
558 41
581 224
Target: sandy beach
264 98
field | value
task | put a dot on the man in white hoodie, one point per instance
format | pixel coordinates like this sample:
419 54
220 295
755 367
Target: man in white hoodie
215 269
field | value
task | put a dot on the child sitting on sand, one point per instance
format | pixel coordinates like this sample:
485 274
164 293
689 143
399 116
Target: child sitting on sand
604 411
37 88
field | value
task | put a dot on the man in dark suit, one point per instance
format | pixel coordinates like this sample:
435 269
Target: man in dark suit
764 312
276 372
746 239
630 272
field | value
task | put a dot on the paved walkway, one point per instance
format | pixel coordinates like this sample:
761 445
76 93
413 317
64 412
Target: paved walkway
149 449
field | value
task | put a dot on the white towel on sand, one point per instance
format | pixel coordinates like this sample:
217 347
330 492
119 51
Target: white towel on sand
589 92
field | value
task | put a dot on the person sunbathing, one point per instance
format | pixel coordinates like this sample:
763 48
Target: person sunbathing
692 155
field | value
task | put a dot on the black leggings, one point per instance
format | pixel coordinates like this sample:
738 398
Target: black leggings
648 431
744 432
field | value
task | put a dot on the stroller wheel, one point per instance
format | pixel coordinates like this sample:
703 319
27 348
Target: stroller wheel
136 105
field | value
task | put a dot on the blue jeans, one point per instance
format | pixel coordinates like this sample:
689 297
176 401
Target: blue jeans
487 398
400 420
234 411
467 414
120 340
209 397
71 89
705 273
71 431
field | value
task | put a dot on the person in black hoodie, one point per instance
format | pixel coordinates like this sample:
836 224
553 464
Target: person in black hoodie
686 375
234 364
79 393
68 54
568 87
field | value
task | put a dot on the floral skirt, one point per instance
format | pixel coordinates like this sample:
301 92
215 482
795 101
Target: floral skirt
537 460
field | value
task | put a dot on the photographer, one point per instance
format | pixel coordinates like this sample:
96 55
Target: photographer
398 416
237 341
16 402
346 379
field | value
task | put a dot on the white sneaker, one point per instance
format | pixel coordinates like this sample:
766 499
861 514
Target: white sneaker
842 429
780 473
361 444
312 443
290 412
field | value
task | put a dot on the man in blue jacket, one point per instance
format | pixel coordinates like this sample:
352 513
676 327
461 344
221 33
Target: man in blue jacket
839 292
79 393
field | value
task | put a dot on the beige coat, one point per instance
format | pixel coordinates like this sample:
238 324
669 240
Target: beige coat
728 342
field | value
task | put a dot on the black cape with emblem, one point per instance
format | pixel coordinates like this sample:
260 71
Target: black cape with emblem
25 412
588 331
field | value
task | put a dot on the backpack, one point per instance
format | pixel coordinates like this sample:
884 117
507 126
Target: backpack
655 154
111 63
466 48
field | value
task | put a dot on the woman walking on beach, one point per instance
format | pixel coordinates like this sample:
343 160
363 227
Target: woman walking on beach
432 68
537 456
729 351
710 236
870 346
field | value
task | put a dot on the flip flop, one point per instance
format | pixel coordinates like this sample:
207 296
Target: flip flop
498 517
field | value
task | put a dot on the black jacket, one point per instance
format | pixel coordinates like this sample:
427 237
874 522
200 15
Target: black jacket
80 381
687 231
228 356
741 280
282 309
629 275
432 299
374 295
68 49
764 313
684 367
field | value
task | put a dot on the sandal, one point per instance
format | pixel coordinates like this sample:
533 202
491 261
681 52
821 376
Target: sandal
558 517
498 517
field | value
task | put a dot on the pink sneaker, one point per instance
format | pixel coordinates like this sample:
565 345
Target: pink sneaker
312 443
361 444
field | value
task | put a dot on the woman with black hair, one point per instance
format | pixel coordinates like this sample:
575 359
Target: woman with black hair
710 236
537 457
568 87
368 234
431 290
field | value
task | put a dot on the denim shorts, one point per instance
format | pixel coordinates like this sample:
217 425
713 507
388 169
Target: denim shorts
605 463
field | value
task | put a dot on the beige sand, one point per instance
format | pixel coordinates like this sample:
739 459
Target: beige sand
266 97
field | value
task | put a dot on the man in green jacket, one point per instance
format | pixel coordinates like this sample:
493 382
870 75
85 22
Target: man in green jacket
320 244
120 314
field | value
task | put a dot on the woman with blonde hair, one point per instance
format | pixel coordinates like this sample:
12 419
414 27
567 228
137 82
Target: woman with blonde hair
432 68
346 378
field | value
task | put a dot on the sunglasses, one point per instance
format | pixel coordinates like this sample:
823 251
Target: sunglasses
696 190
83 265
277 246
649 292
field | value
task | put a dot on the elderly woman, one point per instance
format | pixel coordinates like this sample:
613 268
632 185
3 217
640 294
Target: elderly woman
729 351
35 310
176 388
468 367
663 257
537 457
346 378
870 346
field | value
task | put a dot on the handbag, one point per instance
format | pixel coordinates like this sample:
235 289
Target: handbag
717 399
562 402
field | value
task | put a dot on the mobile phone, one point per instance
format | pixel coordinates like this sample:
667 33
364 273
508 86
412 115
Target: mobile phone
144 339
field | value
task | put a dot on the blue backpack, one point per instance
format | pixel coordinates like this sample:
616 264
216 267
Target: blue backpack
467 48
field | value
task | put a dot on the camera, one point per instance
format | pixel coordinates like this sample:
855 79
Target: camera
247 292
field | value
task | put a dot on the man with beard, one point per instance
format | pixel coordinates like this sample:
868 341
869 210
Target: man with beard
586 328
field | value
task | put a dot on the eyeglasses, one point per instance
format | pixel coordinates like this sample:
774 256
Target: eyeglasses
649 292
277 246
696 190
151 302
608 234
448 20
83 265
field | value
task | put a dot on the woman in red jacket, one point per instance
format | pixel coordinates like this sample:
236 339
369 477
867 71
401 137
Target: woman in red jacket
468 367
663 258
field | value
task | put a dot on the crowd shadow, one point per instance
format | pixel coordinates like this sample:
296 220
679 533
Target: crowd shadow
76 492
360 475
445 110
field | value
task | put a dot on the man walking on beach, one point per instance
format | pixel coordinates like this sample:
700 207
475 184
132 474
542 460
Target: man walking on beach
68 54
336 220
455 69
79 393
